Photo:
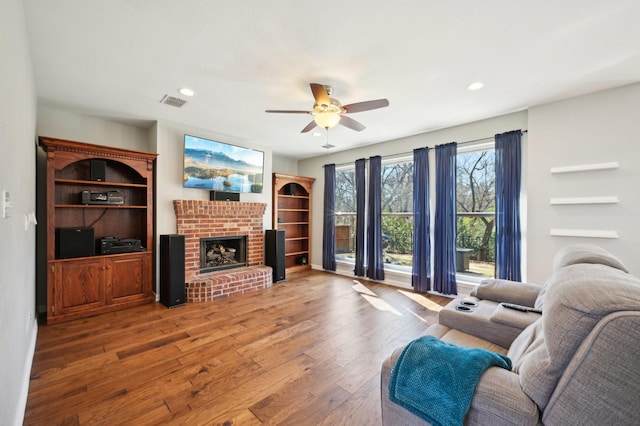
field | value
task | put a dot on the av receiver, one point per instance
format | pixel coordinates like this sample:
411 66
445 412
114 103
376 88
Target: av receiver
102 197
113 245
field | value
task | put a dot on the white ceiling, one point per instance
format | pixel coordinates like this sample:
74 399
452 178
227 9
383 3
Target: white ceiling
118 58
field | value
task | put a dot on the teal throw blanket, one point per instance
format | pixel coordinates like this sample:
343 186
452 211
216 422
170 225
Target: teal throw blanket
435 380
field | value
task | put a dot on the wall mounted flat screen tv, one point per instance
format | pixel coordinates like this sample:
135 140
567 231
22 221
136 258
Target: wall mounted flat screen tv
220 166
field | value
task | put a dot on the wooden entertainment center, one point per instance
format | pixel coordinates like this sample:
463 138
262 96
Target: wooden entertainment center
82 277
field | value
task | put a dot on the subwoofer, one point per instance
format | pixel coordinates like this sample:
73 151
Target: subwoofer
172 280
75 242
274 253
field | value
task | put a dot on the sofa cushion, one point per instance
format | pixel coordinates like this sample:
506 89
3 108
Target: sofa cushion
586 253
498 399
576 298
575 254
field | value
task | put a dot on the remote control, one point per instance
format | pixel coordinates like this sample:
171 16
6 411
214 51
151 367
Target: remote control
520 308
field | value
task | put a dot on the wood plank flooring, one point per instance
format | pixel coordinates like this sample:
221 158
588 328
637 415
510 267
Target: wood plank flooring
307 351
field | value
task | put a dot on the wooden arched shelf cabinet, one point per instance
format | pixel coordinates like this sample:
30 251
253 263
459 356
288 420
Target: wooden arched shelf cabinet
292 213
88 284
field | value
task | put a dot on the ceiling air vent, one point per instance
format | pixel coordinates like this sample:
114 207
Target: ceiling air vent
170 100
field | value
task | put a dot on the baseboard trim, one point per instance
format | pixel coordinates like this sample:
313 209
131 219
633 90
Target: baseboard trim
26 377
397 279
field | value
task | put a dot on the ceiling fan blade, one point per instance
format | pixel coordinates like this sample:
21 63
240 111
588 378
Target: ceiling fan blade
310 126
320 94
351 123
287 111
366 106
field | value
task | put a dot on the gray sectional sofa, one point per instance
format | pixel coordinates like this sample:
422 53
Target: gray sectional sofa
575 363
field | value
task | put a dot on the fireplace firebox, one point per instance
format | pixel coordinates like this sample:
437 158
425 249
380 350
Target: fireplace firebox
218 253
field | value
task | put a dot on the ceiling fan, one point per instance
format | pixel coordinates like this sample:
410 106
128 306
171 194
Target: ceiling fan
328 112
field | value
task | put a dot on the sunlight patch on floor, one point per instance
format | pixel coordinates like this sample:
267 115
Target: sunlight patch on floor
361 288
415 315
380 304
432 306
373 298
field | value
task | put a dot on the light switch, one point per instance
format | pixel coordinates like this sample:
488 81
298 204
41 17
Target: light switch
5 202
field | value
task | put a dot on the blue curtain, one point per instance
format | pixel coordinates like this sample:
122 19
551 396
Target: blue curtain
508 168
444 268
359 269
375 266
329 223
421 274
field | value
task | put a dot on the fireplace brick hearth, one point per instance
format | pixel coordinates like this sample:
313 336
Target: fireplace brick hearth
197 219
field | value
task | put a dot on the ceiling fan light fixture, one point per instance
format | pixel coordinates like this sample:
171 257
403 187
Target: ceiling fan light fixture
327 119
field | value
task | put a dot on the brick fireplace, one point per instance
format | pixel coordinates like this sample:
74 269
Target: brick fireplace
198 219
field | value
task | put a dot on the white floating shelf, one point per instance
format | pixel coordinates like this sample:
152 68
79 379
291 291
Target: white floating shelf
611 199
584 233
585 167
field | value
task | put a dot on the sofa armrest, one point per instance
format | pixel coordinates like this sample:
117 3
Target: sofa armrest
500 400
498 290
513 318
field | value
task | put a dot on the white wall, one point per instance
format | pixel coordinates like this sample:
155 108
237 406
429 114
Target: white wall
596 128
57 123
285 165
478 130
18 327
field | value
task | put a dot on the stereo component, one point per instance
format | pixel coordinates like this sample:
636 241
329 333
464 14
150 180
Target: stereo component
172 275
102 197
274 253
224 196
98 170
114 245
75 242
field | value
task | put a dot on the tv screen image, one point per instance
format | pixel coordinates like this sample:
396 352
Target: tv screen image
220 166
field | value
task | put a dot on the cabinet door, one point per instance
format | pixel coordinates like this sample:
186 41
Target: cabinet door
77 286
127 278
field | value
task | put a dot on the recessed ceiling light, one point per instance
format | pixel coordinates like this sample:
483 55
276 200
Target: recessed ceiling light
317 134
475 86
187 92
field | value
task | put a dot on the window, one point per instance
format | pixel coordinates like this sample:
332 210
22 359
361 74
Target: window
476 200
475 197
345 214
397 213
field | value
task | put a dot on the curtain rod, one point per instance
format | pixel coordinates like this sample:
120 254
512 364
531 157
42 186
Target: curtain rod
404 154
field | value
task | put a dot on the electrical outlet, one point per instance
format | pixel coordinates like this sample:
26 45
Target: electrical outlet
29 320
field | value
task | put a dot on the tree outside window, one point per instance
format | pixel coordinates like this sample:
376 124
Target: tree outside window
476 200
397 213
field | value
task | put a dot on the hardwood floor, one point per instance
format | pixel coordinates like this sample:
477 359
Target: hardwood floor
307 351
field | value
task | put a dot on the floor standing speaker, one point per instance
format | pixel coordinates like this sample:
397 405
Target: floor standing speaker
274 253
172 286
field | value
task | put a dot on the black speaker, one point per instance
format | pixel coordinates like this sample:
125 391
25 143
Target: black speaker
75 242
224 196
274 253
290 189
98 170
172 286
